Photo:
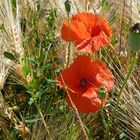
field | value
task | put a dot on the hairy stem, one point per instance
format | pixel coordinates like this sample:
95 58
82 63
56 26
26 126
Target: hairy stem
42 118
68 59
77 114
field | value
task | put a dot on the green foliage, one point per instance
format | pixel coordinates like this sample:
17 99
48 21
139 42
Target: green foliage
9 55
122 136
105 5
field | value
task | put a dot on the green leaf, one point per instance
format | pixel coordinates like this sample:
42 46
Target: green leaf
122 136
31 101
32 120
9 55
114 41
2 27
35 83
105 5
25 70
52 81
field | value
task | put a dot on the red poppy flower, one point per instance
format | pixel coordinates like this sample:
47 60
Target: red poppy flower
82 79
89 32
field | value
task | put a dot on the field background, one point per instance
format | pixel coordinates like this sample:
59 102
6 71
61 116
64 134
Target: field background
32 54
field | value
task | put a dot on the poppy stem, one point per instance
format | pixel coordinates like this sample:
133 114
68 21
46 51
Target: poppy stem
102 115
130 70
68 59
76 112
78 118
43 120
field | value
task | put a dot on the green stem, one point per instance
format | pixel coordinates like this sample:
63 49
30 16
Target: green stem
130 70
102 115
42 118
68 59
132 65
76 111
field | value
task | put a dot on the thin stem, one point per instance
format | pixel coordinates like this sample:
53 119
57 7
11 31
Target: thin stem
76 112
130 70
42 118
68 59
121 23
78 118
132 65
102 115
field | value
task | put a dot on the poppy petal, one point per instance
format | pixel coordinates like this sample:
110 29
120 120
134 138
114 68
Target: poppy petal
84 46
88 19
99 41
69 79
88 102
72 75
78 31
88 31
93 44
80 66
83 78
104 76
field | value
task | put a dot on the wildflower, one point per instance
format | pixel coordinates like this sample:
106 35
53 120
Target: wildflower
83 79
89 32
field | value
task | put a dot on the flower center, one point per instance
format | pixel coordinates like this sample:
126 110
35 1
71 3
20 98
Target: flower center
96 31
83 82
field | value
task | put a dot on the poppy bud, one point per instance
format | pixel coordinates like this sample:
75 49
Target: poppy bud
102 92
68 6
134 37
